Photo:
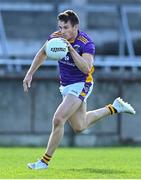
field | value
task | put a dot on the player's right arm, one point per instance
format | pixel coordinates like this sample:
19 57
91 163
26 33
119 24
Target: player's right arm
37 61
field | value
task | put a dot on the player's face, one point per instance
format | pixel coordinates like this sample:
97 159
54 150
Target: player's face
67 30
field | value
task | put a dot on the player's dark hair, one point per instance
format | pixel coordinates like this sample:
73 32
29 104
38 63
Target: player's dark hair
69 15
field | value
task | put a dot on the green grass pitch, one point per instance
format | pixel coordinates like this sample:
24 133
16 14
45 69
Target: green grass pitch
73 163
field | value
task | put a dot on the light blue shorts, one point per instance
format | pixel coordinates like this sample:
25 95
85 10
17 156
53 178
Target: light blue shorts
81 90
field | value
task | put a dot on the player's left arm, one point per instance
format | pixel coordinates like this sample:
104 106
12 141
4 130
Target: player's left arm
84 62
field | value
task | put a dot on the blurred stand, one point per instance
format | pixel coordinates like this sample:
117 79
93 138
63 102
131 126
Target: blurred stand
116 31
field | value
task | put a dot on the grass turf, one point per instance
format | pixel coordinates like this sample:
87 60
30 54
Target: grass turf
73 163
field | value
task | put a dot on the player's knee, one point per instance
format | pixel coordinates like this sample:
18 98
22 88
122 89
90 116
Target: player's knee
58 121
78 129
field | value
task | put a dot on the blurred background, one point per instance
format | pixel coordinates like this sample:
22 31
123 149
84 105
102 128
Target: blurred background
114 26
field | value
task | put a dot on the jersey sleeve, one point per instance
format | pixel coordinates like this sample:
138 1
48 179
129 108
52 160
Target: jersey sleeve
89 48
49 37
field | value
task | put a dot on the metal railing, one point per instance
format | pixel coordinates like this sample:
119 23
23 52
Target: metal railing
18 7
3 39
124 30
101 61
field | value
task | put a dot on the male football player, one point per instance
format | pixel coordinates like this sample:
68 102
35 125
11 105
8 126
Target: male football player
76 83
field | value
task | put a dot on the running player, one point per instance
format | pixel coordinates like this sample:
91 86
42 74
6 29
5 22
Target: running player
76 83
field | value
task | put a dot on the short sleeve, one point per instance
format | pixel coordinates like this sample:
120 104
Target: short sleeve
49 37
89 48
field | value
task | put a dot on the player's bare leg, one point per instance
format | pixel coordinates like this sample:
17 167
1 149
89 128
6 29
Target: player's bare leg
69 105
73 109
81 119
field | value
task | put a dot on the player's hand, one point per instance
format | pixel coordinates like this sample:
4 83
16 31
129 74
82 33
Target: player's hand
56 34
27 82
68 44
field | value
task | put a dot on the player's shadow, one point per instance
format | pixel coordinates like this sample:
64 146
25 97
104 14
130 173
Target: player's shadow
100 171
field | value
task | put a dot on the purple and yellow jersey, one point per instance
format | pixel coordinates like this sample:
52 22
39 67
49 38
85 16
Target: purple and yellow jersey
69 72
